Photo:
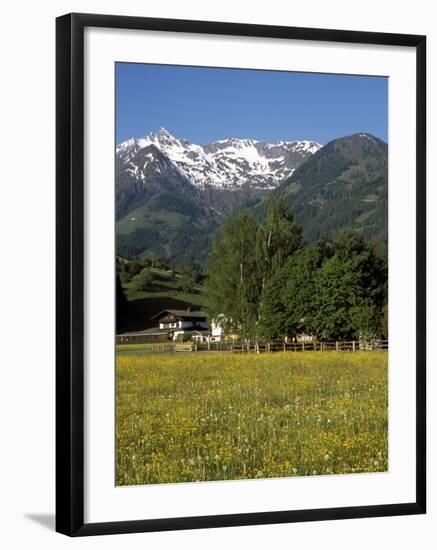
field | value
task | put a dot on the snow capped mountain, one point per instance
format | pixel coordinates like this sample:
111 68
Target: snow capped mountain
229 164
172 195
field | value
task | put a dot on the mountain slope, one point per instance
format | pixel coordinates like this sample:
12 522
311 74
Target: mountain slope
344 184
172 194
158 211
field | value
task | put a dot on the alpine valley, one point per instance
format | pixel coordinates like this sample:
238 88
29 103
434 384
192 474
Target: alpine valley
172 195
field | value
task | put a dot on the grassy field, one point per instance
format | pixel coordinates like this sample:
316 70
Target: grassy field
213 416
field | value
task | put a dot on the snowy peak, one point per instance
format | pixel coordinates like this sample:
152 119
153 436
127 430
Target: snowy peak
227 164
162 138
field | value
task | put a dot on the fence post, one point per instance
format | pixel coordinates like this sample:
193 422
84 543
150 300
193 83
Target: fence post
336 346
303 346
353 345
283 345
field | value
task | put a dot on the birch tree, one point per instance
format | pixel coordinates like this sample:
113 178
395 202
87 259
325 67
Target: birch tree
234 281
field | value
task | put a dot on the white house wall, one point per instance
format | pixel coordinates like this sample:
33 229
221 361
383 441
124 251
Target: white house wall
216 330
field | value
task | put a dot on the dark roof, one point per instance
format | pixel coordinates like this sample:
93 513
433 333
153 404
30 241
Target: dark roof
181 313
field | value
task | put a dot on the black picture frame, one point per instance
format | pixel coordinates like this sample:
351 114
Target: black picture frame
70 273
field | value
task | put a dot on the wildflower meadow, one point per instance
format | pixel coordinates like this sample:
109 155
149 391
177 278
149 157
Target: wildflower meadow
221 416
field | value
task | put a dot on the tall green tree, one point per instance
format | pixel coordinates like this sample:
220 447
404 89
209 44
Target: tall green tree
278 238
288 298
244 257
350 290
234 279
335 290
336 296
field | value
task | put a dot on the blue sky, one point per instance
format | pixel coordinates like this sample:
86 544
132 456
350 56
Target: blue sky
206 104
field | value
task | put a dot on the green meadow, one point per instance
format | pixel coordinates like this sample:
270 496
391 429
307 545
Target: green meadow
217 416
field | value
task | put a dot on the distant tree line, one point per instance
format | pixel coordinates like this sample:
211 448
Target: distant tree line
268 285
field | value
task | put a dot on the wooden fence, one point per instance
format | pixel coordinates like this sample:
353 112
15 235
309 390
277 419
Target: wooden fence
354 345
268 347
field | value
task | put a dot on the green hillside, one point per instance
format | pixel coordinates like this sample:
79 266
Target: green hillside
343 185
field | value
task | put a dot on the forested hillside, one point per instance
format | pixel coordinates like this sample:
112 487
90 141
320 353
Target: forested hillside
343 185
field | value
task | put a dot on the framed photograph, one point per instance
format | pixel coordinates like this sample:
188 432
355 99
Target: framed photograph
240 274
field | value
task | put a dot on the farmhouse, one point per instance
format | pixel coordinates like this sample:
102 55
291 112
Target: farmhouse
181 323
172 324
